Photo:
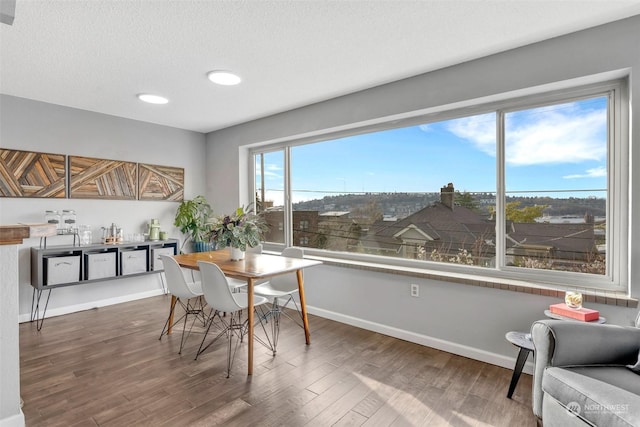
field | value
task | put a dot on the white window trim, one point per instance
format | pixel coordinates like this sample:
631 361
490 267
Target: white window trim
618 165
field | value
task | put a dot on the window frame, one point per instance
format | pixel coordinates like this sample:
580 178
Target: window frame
618 186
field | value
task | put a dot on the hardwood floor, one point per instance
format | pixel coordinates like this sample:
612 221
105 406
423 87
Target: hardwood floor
107 367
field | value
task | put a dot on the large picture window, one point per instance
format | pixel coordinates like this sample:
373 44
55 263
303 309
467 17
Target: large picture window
514 188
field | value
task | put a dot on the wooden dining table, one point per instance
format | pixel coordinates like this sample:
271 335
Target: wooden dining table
253 268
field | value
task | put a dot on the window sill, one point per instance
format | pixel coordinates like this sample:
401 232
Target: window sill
597 296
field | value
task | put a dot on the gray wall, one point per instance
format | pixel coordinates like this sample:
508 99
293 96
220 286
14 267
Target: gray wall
36 126
464 319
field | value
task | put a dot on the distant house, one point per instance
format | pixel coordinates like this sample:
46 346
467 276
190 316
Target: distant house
442 226
444 230
567 242
305 226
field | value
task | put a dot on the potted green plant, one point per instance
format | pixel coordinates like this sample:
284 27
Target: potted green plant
192 218
241 229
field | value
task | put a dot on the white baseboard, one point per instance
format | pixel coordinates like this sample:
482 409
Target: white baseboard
13 421
437 343
52 312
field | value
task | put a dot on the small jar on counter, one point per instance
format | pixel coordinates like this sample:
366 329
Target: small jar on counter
86 235
69 221
52 217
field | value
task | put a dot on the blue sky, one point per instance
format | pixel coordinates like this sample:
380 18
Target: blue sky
554 148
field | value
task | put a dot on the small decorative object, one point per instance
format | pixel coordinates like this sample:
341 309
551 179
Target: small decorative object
241 229
573 299
52 217
69 221
192 218
112 234
86 236
236 254
154 230
582 314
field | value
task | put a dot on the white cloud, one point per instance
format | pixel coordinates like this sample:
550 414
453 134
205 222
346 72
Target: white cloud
547 135
479 130
557 137
590 173
270 171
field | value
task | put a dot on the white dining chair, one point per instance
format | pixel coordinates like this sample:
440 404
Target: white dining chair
188 295
280 291
221 299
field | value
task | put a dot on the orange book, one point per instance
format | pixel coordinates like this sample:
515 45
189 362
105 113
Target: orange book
584 314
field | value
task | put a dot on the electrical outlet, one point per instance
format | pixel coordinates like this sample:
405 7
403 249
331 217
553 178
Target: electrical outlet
415 290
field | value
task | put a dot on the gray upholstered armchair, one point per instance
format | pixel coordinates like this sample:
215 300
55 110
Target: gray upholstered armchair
581 375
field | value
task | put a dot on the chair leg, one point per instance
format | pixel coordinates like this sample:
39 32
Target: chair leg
299 321
275 313
235 328
166 324
195 312
201 305
269 341
225 328
200 349
184 327
230 339
195 309
275 324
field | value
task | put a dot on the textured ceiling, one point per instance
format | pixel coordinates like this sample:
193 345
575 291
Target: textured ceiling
97 54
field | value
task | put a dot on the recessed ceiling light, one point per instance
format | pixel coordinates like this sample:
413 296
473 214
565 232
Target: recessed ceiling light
225 78
152 99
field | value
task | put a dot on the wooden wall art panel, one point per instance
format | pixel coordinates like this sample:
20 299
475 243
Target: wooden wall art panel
102 179
30 174
160 182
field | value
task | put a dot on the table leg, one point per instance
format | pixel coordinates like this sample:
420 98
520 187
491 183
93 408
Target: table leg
173 304
250 319
517 370
303 307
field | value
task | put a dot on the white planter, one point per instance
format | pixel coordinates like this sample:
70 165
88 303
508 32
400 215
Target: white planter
236 254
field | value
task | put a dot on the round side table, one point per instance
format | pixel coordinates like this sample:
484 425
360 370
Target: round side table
522 340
